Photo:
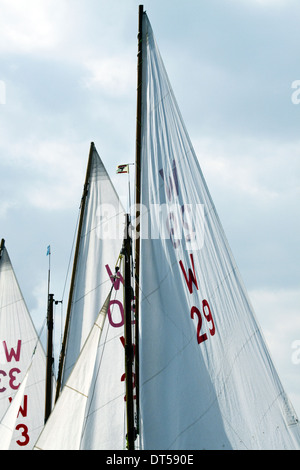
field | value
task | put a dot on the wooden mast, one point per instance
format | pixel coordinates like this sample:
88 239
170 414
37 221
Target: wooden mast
129 351
67 324
138 198
49 363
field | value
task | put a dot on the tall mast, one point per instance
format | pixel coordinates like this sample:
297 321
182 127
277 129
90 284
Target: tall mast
67 324
138 197
129 351
49 363
49 360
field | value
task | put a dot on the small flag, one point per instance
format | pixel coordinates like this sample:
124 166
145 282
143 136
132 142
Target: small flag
123 169
48 250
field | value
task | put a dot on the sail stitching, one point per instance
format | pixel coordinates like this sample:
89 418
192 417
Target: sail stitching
101 223
11 303
90 291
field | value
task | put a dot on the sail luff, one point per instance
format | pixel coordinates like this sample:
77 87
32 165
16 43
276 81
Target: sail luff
67 322
138 197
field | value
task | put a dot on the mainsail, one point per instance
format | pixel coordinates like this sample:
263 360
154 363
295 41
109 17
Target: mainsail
99 243
18 342
206 377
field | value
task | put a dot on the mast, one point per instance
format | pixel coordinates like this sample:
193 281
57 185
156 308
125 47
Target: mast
138 198
129 352
67 324
2 244
48 393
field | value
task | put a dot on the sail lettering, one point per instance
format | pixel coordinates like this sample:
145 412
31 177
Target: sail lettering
109 314
179 218
24 434
115 279
195 312
123 377
171 187
12 353
209 319
203 337
208 316
172 191
192 275
172 227
22 410
13 381
2 372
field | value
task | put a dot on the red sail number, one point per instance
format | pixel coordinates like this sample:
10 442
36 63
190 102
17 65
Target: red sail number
209 319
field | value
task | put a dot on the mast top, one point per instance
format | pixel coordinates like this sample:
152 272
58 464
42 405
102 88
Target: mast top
2 246
141 12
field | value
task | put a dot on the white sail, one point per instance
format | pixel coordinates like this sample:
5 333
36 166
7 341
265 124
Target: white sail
100 243
18 340
8 422
63 430
206 377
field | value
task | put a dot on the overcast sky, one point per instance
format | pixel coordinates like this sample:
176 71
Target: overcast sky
68 77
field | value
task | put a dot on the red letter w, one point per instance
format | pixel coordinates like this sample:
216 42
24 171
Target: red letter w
23 410
192 276
115 280
12 354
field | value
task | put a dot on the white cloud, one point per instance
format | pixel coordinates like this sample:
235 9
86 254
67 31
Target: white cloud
114 75
264 3
30 26
5 206
55 172
265 170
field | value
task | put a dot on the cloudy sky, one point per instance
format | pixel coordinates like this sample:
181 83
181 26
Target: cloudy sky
68 77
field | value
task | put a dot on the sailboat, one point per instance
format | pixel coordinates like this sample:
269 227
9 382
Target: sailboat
22 365
198 373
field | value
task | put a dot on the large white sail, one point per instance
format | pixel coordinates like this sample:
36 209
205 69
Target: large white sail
99 245
206 377
18 341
